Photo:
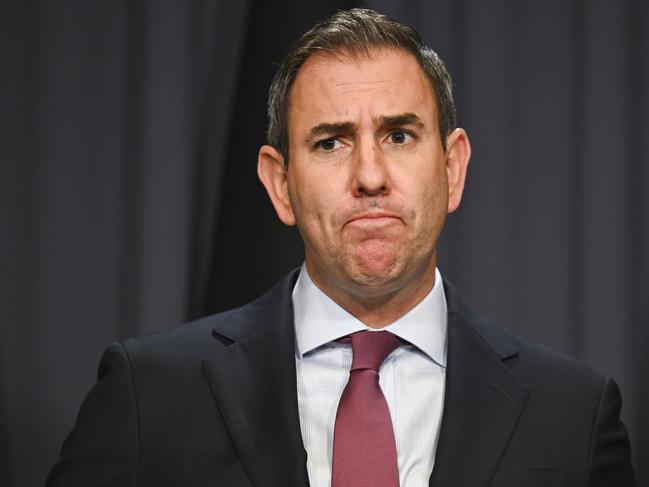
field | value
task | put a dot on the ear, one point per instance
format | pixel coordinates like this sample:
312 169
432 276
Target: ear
458 153
272 174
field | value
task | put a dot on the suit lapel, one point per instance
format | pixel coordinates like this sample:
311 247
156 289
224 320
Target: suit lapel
483 400
252 377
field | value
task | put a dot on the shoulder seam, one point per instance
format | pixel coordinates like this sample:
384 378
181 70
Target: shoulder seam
137 414
591 445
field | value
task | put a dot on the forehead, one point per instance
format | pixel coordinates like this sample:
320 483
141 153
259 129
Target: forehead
337 88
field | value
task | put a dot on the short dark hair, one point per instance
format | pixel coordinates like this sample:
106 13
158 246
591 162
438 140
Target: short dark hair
357 33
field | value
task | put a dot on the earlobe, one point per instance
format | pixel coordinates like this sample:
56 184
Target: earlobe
272 174
458 153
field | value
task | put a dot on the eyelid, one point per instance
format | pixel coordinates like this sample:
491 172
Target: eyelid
317 145
400 128
411 133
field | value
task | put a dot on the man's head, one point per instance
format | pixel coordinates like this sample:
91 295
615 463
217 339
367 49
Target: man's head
355 33
371 177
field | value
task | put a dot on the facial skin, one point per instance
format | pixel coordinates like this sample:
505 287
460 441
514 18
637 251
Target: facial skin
368 183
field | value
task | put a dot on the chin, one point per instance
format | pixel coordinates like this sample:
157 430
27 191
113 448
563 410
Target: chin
375 259
377 274
385 268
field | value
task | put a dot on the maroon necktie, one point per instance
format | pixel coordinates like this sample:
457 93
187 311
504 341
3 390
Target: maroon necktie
365 453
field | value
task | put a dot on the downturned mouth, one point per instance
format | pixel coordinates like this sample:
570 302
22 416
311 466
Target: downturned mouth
373 215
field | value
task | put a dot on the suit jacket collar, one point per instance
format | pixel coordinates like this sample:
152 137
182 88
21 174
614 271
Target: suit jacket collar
253 380
483 399
252 376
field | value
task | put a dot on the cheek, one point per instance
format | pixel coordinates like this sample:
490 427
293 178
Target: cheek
438 207
429 202
312 205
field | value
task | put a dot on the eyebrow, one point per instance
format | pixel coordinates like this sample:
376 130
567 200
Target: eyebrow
384 121
331 129
399 120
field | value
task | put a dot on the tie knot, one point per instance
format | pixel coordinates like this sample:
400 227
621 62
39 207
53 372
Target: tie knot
370 348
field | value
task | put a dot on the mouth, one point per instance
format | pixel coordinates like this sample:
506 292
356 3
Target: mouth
373 218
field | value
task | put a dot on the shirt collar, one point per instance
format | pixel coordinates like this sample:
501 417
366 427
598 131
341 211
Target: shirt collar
320 320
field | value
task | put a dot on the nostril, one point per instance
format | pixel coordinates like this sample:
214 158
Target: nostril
371 192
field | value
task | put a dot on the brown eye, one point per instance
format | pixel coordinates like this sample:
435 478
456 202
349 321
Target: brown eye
398 137
329 145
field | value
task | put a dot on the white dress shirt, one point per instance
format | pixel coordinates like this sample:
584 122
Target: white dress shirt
412 378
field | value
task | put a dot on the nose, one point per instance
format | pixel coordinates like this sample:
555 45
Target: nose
370 175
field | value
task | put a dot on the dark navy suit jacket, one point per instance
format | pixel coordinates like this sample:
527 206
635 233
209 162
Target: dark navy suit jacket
214 403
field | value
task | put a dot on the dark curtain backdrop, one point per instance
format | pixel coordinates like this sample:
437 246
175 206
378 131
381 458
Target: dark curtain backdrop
130 202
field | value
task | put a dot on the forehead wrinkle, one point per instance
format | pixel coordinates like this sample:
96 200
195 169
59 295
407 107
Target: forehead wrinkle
361 88
369 82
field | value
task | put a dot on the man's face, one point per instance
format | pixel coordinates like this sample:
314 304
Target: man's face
367 182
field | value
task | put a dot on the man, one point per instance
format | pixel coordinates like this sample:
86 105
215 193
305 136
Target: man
363 367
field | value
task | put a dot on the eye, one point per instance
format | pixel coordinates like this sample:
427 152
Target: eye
400 137
328 145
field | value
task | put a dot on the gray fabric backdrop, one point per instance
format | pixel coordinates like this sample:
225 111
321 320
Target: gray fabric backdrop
130 202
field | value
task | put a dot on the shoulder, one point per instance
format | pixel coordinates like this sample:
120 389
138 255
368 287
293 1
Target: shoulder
534 363
197 340
566 403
